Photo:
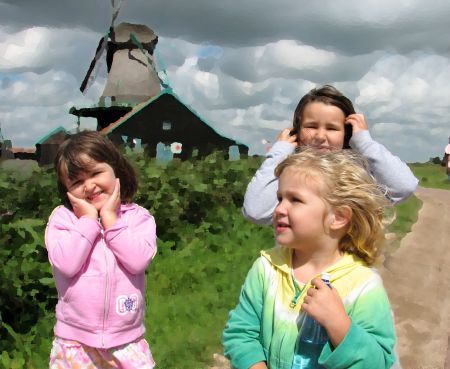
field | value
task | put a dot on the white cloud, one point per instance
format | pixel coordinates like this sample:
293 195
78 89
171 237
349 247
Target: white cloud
291 54
25 49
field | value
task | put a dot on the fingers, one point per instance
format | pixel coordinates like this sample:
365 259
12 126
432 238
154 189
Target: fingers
81 207
113 202
73 200
285 135
70 197
116 193
318 287
358 122
318 283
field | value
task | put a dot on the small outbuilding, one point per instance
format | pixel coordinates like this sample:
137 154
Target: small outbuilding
47 146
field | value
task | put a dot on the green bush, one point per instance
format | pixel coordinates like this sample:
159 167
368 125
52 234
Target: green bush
205 248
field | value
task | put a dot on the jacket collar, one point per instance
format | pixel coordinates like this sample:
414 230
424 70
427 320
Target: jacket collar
281 258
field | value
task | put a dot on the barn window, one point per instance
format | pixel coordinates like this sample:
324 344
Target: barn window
167 126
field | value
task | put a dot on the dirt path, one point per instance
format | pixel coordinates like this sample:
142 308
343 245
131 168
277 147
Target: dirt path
417 279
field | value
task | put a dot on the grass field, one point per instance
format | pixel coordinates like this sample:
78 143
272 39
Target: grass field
431 175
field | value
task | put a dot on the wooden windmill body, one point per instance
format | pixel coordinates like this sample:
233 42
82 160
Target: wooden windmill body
131 76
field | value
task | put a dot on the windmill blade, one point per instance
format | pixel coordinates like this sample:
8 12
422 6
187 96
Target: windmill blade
150 62
116 10
102 45
94 66
161 70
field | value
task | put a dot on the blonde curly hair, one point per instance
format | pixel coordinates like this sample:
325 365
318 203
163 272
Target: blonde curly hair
343 179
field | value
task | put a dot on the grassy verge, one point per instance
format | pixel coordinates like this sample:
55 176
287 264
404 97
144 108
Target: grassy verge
431 175
406 214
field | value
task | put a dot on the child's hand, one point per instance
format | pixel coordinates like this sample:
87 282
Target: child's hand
285 135
82 208
325 305
358 123
108 212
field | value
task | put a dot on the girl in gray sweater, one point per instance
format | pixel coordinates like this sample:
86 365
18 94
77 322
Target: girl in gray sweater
326 119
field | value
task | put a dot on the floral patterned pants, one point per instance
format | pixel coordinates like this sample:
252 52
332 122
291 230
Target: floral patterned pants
67 354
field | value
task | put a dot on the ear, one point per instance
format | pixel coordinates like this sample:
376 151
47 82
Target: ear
341 218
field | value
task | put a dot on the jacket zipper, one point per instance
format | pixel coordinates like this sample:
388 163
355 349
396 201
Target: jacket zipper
297 291
105 302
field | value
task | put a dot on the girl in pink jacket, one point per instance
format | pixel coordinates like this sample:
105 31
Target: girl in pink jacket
99 245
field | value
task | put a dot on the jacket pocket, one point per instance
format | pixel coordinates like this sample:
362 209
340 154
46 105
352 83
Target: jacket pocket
127 302
84 303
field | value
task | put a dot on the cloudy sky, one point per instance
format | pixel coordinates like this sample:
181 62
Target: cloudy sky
242 65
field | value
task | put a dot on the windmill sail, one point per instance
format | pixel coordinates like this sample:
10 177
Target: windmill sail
102 46
150 62
94 66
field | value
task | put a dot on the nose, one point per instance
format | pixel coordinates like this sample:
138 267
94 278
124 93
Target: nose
280 209
88 185
321 134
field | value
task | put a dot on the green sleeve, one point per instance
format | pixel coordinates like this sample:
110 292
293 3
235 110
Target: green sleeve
241 337
369 343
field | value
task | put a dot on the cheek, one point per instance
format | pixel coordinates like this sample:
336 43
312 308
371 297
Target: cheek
77 192
306 135
338 138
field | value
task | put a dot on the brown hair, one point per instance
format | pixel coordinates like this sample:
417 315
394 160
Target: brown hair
343 179
328 95
69 161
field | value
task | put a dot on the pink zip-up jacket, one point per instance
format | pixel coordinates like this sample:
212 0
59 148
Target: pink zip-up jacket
100 275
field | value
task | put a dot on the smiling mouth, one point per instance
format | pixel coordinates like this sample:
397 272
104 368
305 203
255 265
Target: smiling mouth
94 196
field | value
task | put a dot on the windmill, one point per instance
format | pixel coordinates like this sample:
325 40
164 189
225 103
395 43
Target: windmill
137 106
131 66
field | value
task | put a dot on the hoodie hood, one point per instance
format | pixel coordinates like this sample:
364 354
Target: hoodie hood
281 259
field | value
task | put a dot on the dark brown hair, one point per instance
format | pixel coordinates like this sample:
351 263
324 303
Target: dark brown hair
328 95
70 161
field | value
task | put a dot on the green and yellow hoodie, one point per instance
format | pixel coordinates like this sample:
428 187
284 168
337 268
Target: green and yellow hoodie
265 324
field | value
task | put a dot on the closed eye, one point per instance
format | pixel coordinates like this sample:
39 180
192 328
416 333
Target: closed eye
334 127
74 183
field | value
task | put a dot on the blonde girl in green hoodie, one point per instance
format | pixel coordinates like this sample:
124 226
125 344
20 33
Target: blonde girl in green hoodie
329 219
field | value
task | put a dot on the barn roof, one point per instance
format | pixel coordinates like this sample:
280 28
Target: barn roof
138 108
52 133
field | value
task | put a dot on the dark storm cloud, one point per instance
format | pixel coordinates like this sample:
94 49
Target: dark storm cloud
353 27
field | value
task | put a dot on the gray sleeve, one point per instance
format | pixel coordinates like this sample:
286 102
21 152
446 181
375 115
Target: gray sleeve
389 170
260 198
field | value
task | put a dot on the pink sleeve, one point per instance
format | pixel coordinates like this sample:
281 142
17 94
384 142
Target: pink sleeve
69 240
132 239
